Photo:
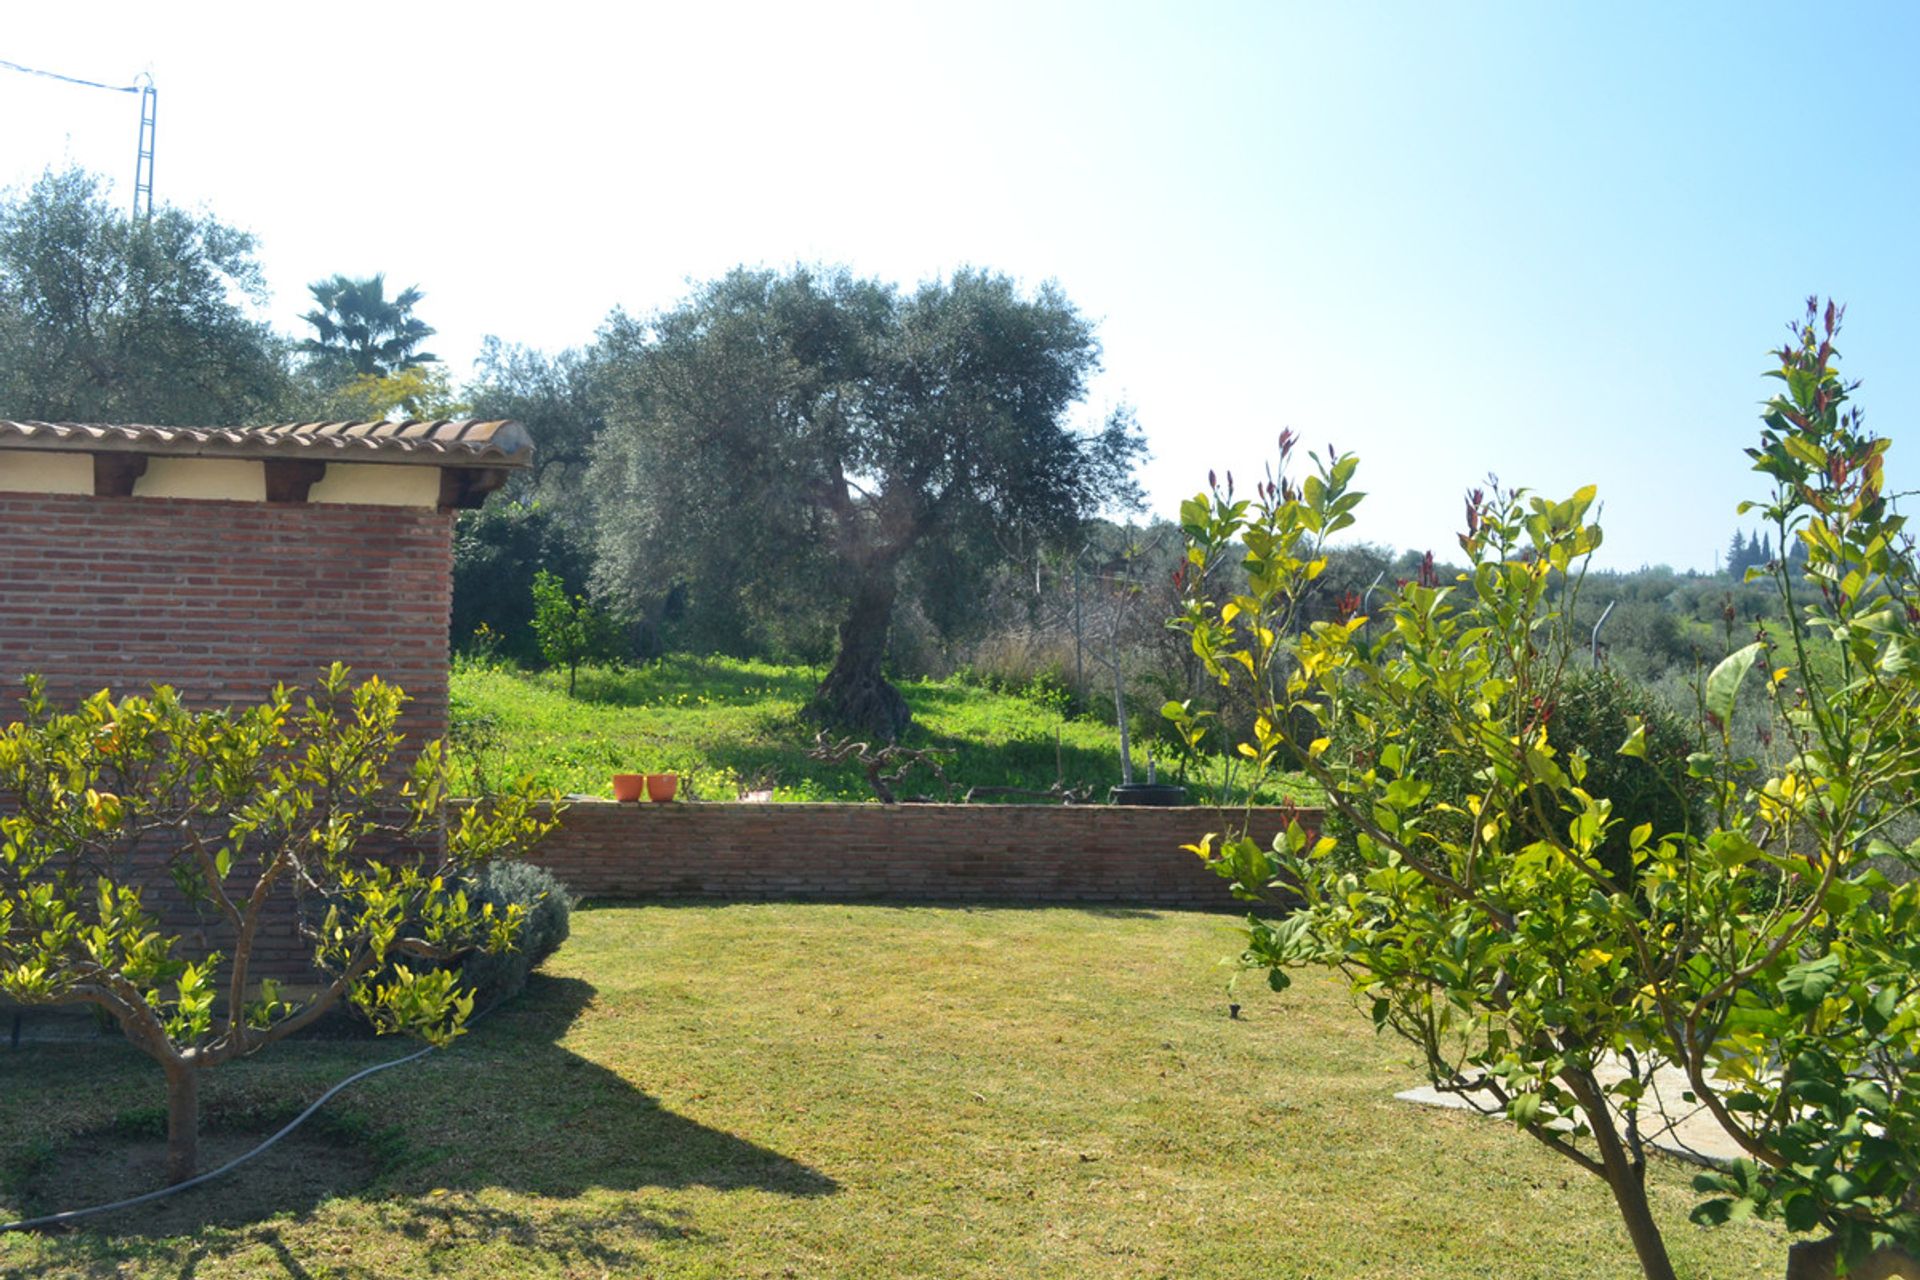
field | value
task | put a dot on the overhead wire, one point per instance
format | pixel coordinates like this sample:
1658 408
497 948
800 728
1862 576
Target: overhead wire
55 75
142 85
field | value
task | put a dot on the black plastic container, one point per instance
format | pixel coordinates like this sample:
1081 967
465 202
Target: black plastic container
1154 793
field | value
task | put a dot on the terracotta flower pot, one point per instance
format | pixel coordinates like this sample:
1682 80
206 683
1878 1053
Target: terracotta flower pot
661 786
628 786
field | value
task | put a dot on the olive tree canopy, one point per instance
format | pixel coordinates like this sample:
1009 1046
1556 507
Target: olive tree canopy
800 440
104 318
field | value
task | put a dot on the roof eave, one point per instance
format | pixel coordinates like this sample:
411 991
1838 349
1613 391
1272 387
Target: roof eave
506 446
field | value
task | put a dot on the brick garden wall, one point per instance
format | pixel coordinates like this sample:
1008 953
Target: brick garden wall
906 853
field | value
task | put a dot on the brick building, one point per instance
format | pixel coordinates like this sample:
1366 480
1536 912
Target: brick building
223 561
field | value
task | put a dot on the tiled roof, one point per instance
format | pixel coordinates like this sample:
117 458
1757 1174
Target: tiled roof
458 443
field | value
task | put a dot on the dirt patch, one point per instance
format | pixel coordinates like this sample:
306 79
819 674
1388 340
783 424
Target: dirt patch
309 1166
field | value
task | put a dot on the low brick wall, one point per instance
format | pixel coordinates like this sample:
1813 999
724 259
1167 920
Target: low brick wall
1092 854
894 853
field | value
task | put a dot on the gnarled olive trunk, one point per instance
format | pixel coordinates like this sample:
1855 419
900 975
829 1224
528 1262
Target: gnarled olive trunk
855 696
183 1122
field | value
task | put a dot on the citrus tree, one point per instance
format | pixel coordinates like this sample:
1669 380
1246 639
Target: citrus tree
1768 947
570 629
125 816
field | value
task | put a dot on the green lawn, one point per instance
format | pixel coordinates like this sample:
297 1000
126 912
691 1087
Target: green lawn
727 725
830 1091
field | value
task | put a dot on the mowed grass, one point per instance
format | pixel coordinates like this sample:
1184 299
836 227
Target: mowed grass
728 726
832 1091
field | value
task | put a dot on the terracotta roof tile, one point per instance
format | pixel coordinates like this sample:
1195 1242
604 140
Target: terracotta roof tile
456 442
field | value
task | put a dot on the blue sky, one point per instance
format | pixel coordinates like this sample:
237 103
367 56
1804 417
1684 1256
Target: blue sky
1549 241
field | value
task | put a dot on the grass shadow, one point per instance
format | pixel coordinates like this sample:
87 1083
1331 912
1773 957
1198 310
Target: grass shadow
720 682
507 1107
1025 764
317 1162
574 1239
561 1124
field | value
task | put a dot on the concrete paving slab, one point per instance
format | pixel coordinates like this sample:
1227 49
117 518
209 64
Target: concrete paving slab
1671 1123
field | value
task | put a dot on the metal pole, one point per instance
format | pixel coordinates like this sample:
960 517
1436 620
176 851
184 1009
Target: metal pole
1366 601
1079 662
1596 631
143 162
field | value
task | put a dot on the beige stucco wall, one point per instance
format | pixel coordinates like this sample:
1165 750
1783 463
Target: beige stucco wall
24 472
388 486
230 478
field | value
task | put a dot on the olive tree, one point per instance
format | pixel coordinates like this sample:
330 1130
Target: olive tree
107 318
1761 949
556 397
785 443
124 816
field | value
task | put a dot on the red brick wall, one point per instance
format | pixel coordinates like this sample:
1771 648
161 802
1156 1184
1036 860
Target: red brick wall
926 853
222 599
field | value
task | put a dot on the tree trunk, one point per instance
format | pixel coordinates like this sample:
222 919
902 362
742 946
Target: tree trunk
1820 1260
183 1123
1626 1177
1630 1195
855 696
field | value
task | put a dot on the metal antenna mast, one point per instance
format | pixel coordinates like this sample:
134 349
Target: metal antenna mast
143 163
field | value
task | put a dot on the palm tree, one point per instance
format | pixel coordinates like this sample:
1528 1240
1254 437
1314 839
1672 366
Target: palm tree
361 331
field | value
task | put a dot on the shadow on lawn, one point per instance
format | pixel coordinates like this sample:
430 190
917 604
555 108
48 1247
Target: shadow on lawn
506 1108
535 1117
1023 764
657 684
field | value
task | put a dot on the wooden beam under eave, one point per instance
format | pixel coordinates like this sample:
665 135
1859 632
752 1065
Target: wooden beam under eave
114 473
290 479
464 488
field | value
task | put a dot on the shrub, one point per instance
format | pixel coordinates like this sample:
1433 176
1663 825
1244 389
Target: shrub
544 907
1594 713
1590 716
546 910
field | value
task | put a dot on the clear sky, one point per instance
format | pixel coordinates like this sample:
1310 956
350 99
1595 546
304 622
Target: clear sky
1549 240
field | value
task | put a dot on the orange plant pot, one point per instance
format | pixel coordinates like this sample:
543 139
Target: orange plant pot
661 786
628 786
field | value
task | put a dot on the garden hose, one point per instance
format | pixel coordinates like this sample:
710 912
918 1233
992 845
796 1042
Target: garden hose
74 1215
